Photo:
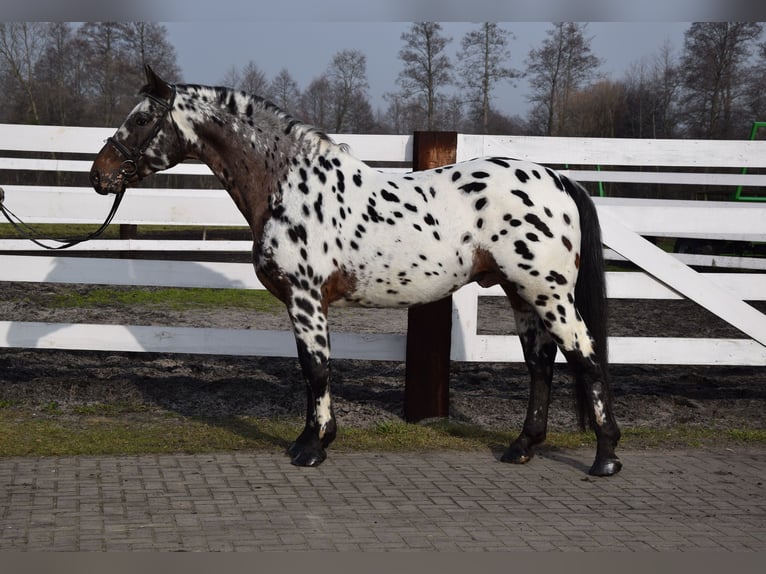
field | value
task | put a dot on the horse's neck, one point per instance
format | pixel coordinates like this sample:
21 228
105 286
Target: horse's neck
250 164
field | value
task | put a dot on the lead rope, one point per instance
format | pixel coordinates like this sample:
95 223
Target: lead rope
28 232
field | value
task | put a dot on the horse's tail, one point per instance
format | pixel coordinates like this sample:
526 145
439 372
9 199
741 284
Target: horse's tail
590 292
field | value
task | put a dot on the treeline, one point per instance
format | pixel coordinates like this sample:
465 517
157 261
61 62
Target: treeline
713 87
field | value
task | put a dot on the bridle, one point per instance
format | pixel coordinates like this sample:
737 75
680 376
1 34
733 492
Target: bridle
128 170
129 167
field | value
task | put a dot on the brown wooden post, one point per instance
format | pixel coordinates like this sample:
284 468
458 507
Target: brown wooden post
429 327
128 231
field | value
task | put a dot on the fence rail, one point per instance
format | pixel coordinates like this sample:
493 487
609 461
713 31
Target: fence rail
626 221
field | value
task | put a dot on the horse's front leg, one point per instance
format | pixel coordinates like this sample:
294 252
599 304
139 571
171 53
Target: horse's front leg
312 338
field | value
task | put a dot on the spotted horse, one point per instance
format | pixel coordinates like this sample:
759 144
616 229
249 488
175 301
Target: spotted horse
328 229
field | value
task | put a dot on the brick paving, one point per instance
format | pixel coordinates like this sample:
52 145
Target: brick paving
672 500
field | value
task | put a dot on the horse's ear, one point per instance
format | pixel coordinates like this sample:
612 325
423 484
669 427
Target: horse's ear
155 85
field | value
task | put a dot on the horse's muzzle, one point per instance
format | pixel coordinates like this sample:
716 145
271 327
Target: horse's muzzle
106 185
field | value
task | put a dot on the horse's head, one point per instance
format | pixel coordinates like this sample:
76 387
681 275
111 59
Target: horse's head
147 142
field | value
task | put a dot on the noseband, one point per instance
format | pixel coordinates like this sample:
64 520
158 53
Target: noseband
129 167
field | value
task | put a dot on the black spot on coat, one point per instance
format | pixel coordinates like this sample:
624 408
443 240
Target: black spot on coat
523 196
392 197
473 187
523 250
533 219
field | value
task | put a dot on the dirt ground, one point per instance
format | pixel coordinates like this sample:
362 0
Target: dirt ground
365 392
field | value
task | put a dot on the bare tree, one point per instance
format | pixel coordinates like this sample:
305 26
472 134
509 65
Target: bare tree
104 47
715 64
21 45
232 78
403 114
360 118
427 68
284 91
146 42
60 73
347 74
482 65
316 102
254 81
250 78
756 87
556 70
652 88
597 110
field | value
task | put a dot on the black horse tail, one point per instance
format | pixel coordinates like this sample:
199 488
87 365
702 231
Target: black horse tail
590 293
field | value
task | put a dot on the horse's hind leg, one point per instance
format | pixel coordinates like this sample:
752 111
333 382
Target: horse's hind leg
539 355
595 401
593 397
312 337
555 313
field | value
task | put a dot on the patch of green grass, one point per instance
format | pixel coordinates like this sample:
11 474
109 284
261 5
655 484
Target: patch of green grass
179 299
64 231
109 409
61 231
102 435
100 432
689 436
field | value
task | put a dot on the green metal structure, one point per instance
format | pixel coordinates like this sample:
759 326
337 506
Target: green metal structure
739 195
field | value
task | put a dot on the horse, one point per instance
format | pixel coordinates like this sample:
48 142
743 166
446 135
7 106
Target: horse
329 230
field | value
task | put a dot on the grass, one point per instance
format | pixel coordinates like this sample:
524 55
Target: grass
61 231
178 299
113 432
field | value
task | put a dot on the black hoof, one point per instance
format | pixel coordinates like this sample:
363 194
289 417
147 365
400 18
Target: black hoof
301 455
608 467
517 455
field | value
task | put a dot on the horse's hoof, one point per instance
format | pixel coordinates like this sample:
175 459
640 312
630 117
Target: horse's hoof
517 455
608 467
302 456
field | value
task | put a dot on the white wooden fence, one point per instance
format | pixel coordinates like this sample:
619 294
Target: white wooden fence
624 222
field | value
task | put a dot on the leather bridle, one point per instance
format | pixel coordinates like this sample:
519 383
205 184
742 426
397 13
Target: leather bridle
129 167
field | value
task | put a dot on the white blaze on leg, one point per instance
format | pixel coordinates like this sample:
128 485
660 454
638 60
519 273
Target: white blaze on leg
323 413
598 408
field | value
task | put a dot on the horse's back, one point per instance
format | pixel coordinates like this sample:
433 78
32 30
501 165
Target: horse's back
416 237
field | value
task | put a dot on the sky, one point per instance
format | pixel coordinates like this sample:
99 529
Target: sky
211 36
306 48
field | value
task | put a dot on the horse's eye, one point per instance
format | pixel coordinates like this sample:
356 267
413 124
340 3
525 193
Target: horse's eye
142 119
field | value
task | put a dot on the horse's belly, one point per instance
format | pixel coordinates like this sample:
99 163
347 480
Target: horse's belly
404 288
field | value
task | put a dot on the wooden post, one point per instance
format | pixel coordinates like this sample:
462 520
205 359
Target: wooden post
429 327
128 231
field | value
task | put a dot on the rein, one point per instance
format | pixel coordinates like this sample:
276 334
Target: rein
28 232
128 169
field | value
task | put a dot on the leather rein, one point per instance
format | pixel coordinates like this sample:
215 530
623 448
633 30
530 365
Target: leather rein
128 169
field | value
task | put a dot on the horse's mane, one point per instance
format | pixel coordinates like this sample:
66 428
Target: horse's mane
227 97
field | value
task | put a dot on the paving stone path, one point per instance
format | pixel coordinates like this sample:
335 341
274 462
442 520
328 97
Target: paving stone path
691 499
